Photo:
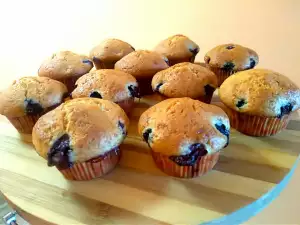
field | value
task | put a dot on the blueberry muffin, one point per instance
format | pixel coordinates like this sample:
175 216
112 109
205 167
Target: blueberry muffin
178 48
143 64
108 52
259 101
27 98
185 135
108 84
228 59
81 137
185 80
66 67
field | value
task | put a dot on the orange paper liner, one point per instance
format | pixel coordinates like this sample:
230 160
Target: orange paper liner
221 74
24 124
93 168
99 64
205 98
172 62
127 105
202 166
256 125
70 82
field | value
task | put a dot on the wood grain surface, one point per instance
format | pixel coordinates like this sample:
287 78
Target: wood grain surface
136 192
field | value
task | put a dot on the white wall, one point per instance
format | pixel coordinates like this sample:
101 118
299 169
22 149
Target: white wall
32 30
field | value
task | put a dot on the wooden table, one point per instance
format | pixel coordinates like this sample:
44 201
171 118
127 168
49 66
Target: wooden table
251 172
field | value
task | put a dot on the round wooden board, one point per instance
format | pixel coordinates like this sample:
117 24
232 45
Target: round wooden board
136 192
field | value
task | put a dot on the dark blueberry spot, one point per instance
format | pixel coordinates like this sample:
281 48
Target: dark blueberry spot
197 150
192 59
58 154
95 94
96 60
167 61
194 51
229 47
252 63
209 90
146 134
223 130
133 48
134 91
241 103
207 59
32 108
122 127
228 66
158 86
284 110
88 61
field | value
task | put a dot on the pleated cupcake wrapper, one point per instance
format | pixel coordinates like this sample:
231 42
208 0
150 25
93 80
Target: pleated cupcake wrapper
93 168
70 82
24 124
205 98
257 125
104 65
127 105
221 74
172 62
202 166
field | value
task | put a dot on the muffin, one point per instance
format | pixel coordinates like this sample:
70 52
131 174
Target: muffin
259 101
66 67
108 52
81 137
178 48
143 64
27 98
113 85
185 135
228 59
185 80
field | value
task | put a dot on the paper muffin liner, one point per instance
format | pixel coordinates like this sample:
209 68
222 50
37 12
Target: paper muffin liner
172 62
99 64
70 82
206 98
93 168
145 85
221 74
24 124
258 126
203 165
127 105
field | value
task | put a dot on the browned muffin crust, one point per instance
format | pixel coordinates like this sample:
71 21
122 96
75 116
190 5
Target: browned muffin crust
173 125
260 92
65 64
92 126
178 47
108 84
27 94
111 50
184 80
142 63
231 57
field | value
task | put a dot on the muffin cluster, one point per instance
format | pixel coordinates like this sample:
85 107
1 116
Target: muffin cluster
78 108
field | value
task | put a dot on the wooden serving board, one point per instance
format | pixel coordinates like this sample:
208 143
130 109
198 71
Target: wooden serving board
136 192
